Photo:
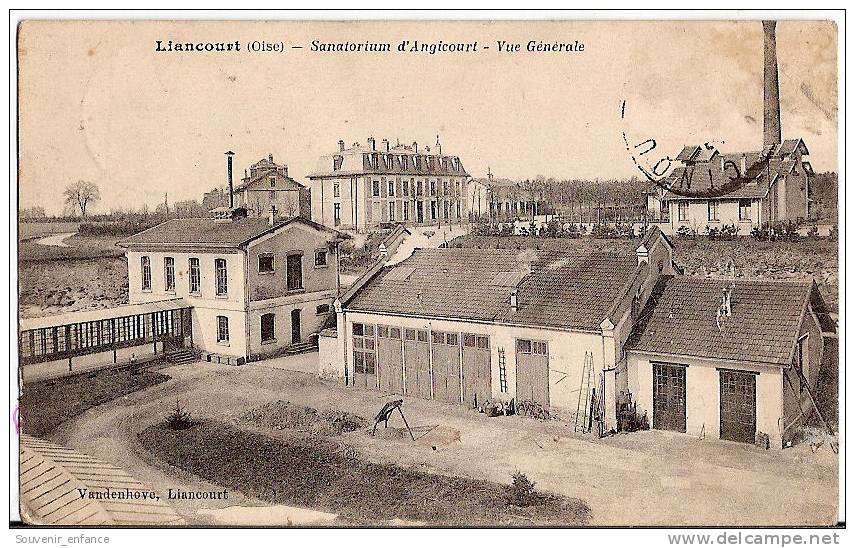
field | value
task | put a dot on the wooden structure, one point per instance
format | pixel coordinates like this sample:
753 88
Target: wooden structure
164 325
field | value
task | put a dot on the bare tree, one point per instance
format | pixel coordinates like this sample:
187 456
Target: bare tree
80 195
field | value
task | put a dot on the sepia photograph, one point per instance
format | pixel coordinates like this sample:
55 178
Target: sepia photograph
427 271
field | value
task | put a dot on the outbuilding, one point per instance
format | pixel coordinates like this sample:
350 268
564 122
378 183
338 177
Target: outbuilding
728 358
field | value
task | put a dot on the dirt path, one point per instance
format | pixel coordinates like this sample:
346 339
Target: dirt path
640 479
57 240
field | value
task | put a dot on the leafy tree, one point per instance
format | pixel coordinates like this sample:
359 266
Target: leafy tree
80 195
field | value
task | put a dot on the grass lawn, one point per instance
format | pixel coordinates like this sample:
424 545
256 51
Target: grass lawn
79 247
318 473
46 404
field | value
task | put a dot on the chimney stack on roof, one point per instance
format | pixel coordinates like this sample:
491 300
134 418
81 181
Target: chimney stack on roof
514 304
229 156
415 147
386 145
771 90
272 218
743 165
371 143
270 158
438 146
340 145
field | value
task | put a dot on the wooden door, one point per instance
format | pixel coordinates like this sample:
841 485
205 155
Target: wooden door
417 363
364 356
477 377
669 397
738 401
390 365
532 372
296 327
446 366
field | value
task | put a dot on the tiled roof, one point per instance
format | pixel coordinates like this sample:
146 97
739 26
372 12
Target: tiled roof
680 319
563 290
210 232
705 171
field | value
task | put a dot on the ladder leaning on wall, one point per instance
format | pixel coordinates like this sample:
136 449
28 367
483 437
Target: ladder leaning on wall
583 407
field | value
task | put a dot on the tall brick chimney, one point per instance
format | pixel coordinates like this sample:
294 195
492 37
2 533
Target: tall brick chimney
771 92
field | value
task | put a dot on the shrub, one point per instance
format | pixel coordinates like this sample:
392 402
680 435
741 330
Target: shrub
833 234
179 419
813 232
686 233
522 490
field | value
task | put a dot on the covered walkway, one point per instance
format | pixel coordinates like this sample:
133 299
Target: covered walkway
67 343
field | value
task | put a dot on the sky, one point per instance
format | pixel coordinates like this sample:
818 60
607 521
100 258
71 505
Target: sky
98 103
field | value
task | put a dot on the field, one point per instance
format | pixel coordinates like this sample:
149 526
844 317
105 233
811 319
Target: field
316 472
47 404
88 272
776 260
32 230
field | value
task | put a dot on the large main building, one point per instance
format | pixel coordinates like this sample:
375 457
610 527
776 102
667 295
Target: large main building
365 186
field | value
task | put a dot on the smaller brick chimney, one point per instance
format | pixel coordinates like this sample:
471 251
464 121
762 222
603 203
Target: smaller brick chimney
272 217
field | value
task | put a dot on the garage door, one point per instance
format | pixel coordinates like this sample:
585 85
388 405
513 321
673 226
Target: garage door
738 405
390 365
417 363
669 397
532 372
446 366
477 387
364 356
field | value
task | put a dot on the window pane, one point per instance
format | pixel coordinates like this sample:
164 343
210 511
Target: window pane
524 346
357 329
451 339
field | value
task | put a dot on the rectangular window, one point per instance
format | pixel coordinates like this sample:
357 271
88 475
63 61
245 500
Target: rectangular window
222 277
409 334
364 359
419 188
222 329
438 337
712 210
433 188
524 346
295 272
683 211
406 188
451 339
336 190
538 348
320 258
744 210
406 211
433 210
272 181
169 273
375 189
395 333
337 214
422 335
268 327
322 309
391 211
145 272
265 263
195 277
391 188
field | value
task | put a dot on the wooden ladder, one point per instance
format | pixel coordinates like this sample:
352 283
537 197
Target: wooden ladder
583 407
